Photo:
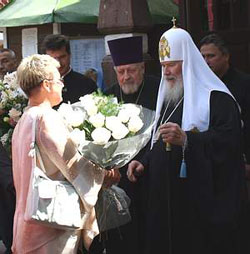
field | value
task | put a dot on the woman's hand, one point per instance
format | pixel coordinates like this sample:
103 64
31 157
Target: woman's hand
111 177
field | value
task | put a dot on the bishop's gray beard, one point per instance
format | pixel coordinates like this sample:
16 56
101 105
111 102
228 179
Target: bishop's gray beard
130 88
174 92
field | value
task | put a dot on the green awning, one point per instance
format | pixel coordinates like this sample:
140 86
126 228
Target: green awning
36 12
26 12
77 11
87 11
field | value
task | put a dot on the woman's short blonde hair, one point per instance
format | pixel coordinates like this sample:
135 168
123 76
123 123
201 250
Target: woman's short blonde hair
34 69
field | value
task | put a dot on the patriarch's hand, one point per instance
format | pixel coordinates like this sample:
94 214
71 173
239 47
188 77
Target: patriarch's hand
173 134
135 168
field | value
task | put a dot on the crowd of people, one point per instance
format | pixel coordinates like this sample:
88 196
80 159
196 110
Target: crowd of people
188 185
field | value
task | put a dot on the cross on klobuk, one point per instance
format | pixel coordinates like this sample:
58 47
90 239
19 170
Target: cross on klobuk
174 22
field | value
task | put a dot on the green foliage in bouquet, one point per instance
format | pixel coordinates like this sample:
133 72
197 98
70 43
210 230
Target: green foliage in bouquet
88 128
106 104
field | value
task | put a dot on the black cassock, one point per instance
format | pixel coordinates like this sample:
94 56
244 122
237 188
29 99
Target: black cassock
239 85
145 96
205 205
129 238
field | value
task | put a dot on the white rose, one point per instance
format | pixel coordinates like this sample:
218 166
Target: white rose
112 122
15 114
87 100
78 136
97 120
123 115
77 118
135 124
72 117
120 132
65 110
91 110
131 109
101 136
11 79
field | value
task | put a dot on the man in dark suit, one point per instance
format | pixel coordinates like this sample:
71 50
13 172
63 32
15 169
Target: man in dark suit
75 84
216 53
7 200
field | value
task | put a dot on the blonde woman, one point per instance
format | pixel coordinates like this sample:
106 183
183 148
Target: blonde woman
39 78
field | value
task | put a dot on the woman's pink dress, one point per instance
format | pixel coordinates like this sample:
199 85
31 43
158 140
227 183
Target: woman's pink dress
62 161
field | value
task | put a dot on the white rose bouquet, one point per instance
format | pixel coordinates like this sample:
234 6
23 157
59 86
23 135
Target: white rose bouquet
12 103
107 132
110 134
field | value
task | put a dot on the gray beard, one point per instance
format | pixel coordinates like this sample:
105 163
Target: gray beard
130 88
174 93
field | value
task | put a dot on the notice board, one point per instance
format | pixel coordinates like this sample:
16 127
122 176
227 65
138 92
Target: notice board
88 53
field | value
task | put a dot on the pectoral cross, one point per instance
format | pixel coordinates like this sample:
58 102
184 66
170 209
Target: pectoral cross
174 20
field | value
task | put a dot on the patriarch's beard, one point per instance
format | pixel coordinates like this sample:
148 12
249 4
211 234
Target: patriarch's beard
175 91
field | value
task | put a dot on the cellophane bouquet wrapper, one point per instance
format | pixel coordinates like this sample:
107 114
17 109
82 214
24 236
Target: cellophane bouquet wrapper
112 207
118 153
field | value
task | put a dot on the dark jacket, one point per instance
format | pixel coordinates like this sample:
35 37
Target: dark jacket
77 85
239 85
